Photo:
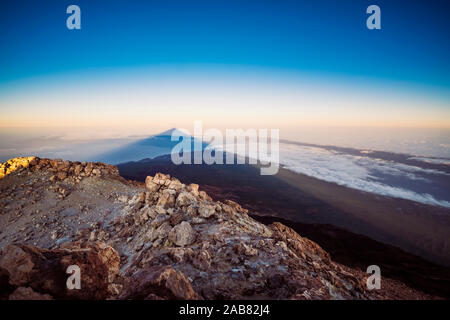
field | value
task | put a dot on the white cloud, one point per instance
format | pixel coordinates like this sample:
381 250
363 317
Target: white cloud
358 172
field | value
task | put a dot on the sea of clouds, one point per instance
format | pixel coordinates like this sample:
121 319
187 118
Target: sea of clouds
364 173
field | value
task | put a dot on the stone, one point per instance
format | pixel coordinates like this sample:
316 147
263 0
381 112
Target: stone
150 185
62 175
45 270
182 234
163 230
175 185
193 188
77 170
88 169
244 249
161 179
23 293
162 281
206 211
159 220
185 199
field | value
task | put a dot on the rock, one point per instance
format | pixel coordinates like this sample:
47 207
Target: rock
204 196
162 281
163 230
166 198
193 188
88 169
182 234
23 293
161 179
176 218
203 260
192 210
150 185
62 175
77 170
206 211
159 220
244 249
151 234
14 165
185 199
44 271
181 254
18 263
175 185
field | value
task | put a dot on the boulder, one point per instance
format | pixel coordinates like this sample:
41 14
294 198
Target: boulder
206 210
185 199
150 185
22 293
44 271
62 175
182 234
161 281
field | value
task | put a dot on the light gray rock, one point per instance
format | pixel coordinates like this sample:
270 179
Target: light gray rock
206 211
182 234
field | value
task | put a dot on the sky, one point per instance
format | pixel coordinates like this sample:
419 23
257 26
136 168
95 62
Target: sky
139 67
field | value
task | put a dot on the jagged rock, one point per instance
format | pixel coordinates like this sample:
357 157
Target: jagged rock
150 185
175 184
62 175
182 234
161 179
176 218
77 170
44 271
181 254
15 164
23 293
203 260
243 249
185 199
206 211
88 169
193 188
163 230
162 281
159 220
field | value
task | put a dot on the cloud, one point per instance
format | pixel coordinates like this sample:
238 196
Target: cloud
363 173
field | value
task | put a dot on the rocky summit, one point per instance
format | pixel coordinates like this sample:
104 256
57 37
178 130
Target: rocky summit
160 240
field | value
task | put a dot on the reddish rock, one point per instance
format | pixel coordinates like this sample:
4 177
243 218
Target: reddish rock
44 271
159 281
23 293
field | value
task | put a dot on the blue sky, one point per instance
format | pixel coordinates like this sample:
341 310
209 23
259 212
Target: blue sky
245 63
326 37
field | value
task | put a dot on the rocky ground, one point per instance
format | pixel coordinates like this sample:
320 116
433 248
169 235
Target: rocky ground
158 240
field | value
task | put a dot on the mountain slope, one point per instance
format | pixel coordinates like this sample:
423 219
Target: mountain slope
163 239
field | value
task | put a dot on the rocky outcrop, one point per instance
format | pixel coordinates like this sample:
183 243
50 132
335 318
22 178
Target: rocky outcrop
159 282
15 164
61 169
159 240
35 273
